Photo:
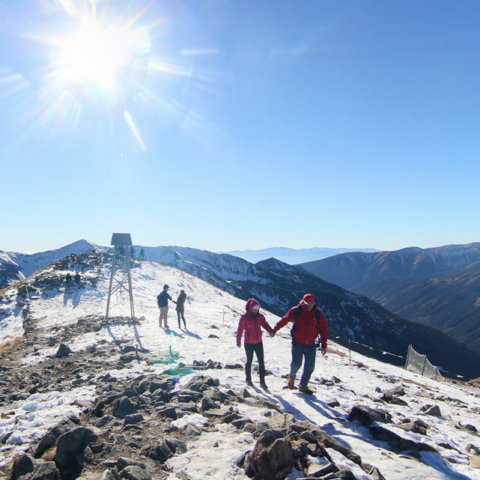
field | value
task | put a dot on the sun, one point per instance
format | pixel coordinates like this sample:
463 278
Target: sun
93 54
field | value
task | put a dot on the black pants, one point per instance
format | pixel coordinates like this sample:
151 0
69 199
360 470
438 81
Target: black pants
258 349
183 318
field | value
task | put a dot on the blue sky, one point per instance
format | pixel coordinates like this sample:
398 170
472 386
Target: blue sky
241 124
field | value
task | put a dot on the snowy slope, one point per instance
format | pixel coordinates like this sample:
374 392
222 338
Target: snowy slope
212 311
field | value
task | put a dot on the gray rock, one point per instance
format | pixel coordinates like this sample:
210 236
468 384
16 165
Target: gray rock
272 457
166 385
397 391
125 407
45 443
106 475
208 404
472 449
104 421
133 419
192 431
366 415
134 472
125 462
160 452
199 381
240 423
388 398
143 386
46 471
176 446
22 466
327 441
433 410
63 351
234 366
168 412
70 449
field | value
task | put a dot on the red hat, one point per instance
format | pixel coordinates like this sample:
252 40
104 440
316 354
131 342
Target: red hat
309 299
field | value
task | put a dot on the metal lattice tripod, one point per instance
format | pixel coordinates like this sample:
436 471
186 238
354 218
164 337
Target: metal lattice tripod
120 276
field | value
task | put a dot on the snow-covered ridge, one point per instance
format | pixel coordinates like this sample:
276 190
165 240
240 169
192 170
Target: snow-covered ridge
27 264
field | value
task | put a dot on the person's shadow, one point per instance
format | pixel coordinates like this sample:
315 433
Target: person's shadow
191 334
173 333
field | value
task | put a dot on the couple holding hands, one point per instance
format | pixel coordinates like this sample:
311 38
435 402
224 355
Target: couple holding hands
308 324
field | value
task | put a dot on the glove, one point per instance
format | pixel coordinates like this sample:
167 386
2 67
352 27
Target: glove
323 350
239 345
272 334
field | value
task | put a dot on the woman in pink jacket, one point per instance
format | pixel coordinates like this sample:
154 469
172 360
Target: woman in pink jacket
252 322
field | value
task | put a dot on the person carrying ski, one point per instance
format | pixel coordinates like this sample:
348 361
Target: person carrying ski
308 323
181 307
162 300
251 322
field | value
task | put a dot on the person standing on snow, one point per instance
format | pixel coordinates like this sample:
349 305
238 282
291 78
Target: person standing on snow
162 300
181 307
308 323
252 322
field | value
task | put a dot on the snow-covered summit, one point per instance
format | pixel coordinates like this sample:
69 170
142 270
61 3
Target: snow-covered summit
27 264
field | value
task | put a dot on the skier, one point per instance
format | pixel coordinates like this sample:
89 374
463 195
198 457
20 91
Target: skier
252 322
162 300
181 307
308 323
68 278
77 278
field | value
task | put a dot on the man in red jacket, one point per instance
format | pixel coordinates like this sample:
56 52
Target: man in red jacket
309 323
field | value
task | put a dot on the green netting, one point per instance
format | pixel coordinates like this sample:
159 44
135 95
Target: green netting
420 364
416 362
430 370
166 356
180 370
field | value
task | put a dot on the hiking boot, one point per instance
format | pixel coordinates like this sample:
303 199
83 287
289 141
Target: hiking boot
305 390
263 385
249 383
291 383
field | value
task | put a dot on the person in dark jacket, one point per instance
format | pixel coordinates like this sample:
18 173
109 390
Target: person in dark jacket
251 323
162 300
181 307
309 323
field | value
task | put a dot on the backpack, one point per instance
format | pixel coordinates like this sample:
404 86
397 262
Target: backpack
299 310
296 315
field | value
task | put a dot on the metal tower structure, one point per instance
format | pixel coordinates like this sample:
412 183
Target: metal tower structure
120 278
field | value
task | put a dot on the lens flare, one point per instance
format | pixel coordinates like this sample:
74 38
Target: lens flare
107 62
93 54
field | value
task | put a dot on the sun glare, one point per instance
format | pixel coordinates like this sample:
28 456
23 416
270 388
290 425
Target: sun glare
93 54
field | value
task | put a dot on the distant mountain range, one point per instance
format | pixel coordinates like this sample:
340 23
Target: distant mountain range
278 286
293 256
439 286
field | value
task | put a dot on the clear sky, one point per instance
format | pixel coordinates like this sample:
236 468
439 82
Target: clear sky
240 124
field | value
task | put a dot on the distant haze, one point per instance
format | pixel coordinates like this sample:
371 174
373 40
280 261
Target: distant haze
293 256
